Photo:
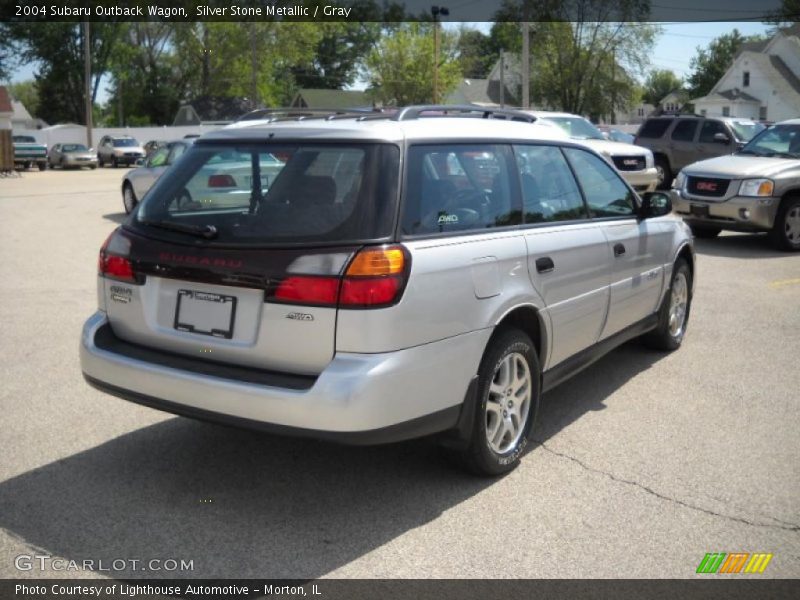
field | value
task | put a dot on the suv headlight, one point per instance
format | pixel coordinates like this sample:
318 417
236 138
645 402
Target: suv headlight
756 187
649 161
678 182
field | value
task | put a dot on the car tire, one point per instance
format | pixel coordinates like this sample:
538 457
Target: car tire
664 173
699 231
673 316
129 200
114 162
509 389
42 166
786 230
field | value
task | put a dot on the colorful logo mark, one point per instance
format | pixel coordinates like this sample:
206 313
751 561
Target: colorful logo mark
735 562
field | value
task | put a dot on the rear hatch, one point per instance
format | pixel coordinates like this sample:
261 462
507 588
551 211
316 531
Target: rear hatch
238 253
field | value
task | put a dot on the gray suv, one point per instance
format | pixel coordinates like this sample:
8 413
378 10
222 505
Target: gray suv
398 276
756 189
677 141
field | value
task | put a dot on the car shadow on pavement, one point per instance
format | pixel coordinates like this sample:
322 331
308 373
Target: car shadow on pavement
588 390
243 504
739 245
117 218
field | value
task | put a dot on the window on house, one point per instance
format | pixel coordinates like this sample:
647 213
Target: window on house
762 113
640 112
703 112
726 111
746 79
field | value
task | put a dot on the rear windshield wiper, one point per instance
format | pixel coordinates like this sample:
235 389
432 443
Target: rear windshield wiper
207 231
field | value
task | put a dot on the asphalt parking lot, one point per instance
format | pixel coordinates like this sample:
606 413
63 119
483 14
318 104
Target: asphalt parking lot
645 461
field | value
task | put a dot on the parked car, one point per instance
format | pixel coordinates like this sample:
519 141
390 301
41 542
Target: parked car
400 276
119 150
679 140
228 177
756 189
633 162
72 155
152 146
136 182
29 152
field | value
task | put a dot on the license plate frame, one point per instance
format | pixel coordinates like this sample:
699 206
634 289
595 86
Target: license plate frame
699 210
217 310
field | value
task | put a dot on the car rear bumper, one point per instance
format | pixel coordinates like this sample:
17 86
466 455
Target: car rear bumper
737 213
641 181
358 398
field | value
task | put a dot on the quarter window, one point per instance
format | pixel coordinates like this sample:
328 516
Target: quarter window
458 187
549 191
606 194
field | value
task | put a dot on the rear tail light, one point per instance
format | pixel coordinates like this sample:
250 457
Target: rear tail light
221 181
375 277
113 262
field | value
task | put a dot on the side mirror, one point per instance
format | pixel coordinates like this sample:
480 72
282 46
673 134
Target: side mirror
721 138
655 204
141 162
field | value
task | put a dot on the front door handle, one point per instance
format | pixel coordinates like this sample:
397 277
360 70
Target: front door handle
545 264
619 249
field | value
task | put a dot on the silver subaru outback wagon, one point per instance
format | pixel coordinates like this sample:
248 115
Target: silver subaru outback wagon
395 276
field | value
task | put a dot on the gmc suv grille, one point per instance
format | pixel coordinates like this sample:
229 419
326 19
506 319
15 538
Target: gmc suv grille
629 163
707 186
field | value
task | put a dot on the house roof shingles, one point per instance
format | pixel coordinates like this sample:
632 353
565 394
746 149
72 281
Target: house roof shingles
322 98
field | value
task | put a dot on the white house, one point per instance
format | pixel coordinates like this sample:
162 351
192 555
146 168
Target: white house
763 82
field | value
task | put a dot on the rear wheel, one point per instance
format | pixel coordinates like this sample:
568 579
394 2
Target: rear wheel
664 173
508 399
42 166
786 230
700 231
673 315
128 198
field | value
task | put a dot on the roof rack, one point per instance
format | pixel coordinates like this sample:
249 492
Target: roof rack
451 110
299 114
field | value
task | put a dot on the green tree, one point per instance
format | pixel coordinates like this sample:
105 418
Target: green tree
26 92
658 84
57 48
476 53
710 64
400 68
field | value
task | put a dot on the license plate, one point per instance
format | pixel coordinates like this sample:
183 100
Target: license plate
699 210
205 313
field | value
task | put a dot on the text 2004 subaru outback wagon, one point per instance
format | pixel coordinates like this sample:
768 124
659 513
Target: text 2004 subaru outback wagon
395 277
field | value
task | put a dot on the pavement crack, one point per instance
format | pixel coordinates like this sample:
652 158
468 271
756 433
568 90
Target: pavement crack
786 526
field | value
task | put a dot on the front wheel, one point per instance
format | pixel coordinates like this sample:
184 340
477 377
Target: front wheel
673 315
664 173
508 400
786 230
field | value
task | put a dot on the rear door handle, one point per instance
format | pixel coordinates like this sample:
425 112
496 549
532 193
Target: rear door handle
545 264
619 249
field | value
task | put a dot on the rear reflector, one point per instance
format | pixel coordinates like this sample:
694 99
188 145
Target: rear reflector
221 181
372 291
308 290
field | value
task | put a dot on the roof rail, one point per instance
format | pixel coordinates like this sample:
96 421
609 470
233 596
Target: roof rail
416 112
274 114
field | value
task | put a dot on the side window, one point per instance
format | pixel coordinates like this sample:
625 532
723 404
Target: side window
654 128
458 187
606 194
710 129
549 191
158 158
175 153
684 130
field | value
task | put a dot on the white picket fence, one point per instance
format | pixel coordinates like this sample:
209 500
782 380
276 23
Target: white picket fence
76 134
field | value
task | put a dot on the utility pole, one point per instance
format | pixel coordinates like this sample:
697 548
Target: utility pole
613 86
436 11
526 63
502 79
87 82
